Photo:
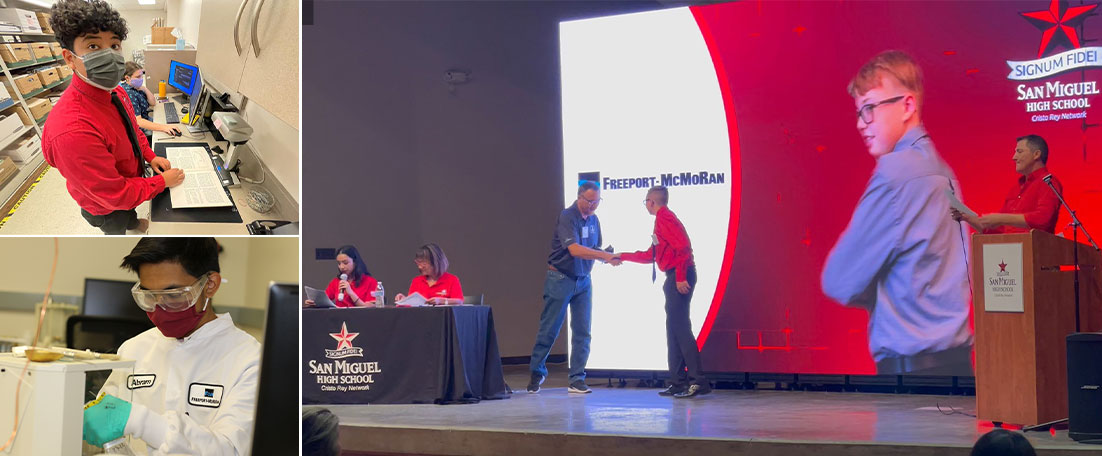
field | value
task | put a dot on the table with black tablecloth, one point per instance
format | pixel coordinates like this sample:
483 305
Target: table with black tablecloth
421 355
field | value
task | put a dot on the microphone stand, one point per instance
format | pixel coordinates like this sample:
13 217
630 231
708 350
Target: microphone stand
1076 225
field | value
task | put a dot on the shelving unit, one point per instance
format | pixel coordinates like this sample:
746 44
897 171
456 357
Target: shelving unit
12 190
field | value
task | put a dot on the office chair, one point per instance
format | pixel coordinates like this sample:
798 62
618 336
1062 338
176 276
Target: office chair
474 300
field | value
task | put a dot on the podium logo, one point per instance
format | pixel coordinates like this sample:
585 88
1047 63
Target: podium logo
344 344
1002 283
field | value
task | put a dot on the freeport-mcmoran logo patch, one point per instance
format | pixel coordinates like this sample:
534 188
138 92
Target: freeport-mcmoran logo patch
205 395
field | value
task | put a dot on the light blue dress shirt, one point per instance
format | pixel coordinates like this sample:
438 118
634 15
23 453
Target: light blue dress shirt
903 257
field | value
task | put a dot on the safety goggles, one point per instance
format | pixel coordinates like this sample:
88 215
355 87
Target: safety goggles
172 300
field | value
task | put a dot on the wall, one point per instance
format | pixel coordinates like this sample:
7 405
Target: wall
139 22
395 159
184 14
248 265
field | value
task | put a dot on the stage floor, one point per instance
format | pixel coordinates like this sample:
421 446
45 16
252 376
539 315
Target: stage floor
637 421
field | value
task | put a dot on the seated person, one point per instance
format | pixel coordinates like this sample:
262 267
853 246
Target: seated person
355 291
435 283
191 345
143 99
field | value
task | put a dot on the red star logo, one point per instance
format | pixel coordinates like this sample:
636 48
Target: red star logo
1002 266
1058 24
344 338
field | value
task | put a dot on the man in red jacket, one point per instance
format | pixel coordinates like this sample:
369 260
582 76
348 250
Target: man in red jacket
673 253
91 136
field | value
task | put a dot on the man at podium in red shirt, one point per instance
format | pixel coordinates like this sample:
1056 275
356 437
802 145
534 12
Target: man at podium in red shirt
1030 204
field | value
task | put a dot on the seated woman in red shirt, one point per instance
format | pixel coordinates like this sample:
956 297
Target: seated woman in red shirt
357 287
434 283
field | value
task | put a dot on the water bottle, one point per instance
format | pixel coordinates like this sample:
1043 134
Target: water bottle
379 294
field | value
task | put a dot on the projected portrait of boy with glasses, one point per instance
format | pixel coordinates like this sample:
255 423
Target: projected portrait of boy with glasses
901 257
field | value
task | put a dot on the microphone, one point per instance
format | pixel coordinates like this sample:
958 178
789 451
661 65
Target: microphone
1047 179
340 296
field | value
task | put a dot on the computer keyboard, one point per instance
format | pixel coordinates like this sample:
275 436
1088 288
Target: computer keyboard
170 112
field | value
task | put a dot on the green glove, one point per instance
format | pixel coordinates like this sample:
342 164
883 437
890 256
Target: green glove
105 419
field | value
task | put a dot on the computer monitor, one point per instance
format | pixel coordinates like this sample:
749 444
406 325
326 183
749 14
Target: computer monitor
277 422
183 76
111 298
195 103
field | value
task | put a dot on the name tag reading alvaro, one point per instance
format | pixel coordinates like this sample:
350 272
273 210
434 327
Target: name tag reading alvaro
205 395
136 381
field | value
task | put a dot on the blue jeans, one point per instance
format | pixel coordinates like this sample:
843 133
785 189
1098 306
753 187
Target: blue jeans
558 291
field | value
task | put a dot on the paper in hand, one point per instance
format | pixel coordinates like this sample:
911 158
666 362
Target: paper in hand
955 203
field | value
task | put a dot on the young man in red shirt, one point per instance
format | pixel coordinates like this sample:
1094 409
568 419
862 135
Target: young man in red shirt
673 253
1030 204
91 136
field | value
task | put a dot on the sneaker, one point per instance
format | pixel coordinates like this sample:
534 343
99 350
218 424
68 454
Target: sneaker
579 387
672 390
694 390
534 384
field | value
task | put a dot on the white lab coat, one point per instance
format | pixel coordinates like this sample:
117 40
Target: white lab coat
202 400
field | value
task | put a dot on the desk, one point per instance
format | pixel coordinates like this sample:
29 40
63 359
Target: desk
285 208
421 355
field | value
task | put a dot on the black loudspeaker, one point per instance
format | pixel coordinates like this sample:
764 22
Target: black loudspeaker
1085 387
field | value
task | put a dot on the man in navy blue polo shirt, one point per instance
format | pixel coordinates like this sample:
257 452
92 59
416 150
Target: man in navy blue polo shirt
575 245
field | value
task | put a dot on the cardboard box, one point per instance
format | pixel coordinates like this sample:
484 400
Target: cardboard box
9 125
42 51
23 116
48 76
5 95
40 107
8 170
27 83
44 22
23 150
15 53
64 72
55 49
25 19
163 35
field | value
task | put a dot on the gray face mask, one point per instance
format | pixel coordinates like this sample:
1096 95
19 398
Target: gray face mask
105 68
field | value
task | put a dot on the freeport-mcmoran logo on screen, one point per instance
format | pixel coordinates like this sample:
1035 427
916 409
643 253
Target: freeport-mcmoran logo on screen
679 179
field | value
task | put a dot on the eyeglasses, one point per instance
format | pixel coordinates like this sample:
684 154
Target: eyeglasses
591 202
172 300
865 113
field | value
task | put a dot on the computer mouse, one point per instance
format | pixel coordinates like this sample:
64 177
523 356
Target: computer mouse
183 109
177 133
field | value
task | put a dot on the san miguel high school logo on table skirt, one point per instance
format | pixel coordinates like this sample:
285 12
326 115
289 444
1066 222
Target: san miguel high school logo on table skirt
342 375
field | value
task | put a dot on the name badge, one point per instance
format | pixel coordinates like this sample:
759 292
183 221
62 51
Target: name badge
205 395
137 381
585 232
654 239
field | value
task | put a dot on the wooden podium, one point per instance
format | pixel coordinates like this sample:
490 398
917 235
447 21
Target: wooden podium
1021 355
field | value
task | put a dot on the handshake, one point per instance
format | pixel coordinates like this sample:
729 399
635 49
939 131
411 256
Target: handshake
610 257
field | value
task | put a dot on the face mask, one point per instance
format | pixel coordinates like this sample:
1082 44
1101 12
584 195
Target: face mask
176 324
136 83
105 68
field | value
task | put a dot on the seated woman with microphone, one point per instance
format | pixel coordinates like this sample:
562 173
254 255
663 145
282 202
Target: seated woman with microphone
354 285
435 283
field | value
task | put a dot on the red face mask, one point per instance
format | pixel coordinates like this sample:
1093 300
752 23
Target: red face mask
176 324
